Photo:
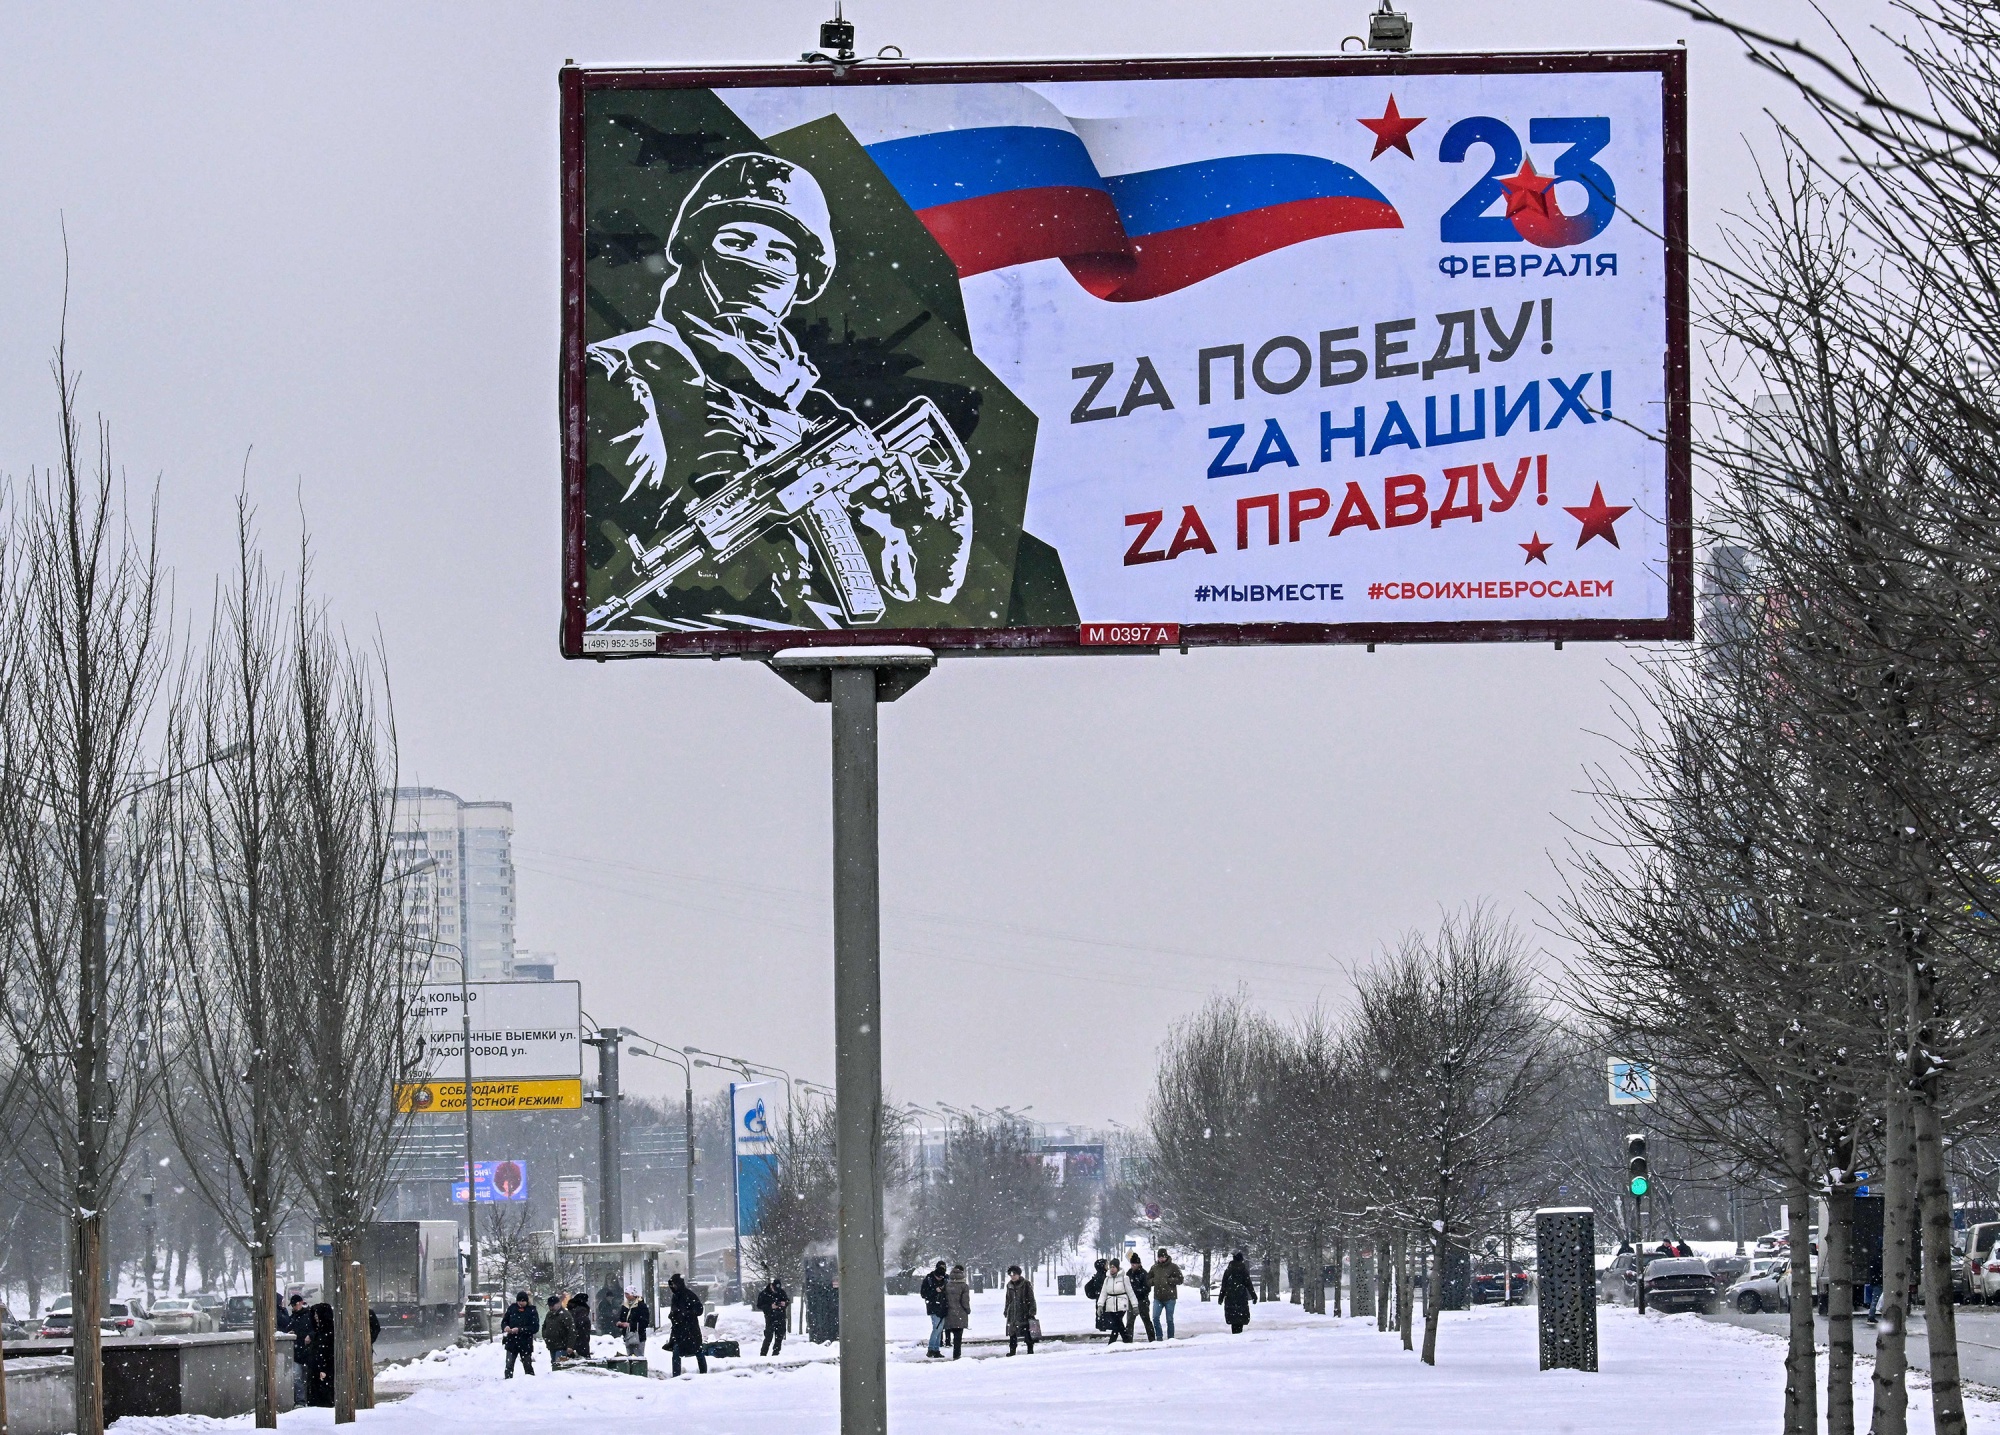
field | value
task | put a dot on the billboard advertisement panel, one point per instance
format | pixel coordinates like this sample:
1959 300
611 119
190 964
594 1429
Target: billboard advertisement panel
757 1111
1148 354
494 1181
526 1049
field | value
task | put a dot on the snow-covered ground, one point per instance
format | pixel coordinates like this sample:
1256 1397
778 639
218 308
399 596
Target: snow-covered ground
1288 1372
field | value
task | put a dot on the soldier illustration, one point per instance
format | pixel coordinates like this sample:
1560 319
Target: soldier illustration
742 493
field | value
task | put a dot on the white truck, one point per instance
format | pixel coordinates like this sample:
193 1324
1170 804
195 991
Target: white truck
415 1274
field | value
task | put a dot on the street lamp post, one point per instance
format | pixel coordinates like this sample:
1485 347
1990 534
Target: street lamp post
660 1053
471 1183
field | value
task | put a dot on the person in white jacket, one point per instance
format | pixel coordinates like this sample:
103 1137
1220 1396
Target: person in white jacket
1114 1304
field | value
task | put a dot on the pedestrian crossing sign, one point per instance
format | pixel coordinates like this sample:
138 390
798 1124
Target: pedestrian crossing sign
1631 1083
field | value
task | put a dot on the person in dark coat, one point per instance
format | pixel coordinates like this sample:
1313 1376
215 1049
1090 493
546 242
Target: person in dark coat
298 1325
579 1325
319 1357
932 1290
518 1328
1020 1310
957 1310
1096 1283
684 1324
607 1309
1238 1293
776 1304
1141 1281
635 1318
556 1332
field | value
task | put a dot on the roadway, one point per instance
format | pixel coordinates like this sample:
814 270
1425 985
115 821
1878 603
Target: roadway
1978 1338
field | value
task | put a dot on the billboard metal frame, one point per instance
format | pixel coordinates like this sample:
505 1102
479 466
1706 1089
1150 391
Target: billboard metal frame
577 83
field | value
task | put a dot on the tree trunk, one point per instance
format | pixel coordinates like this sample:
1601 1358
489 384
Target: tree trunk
1839 1238
1339 1273
264 1290
86 1303
1891 1414
1406 1295
1207 1259
340 1295
1381 1281
1940 1316
1269 1274
1433 1306
1801 1357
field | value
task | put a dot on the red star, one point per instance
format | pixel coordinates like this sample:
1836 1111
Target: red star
1597 516
1538 551
1527 190
1392 131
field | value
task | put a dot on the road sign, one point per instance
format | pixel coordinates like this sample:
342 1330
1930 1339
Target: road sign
1129 353
423 1097
519 1029
1631 1082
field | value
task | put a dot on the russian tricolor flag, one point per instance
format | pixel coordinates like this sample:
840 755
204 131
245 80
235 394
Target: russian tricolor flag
1003 194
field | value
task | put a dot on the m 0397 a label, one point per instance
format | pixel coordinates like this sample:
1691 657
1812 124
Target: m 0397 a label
1129 635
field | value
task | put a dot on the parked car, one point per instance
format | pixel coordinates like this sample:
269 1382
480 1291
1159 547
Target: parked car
1618 1283
12 1329
125 1318
1978 1275
1728 1269
1767 1285
1680 1283
239 1312
181 1316
212 1303
1488 1287
55 1325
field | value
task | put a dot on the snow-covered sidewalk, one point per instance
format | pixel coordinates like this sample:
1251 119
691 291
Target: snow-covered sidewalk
1288 1372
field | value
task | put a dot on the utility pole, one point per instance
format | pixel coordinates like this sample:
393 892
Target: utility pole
855 681
610 1179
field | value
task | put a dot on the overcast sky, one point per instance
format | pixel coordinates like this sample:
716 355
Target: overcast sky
325 236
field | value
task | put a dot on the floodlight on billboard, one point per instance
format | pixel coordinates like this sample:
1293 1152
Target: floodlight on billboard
1148 354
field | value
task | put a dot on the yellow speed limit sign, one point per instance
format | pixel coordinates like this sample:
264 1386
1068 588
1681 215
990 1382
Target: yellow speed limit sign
442 1096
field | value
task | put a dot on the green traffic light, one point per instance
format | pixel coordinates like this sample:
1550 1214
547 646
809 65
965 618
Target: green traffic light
1640 1185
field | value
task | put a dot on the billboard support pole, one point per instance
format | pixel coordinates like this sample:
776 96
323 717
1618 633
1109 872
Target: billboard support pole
855 681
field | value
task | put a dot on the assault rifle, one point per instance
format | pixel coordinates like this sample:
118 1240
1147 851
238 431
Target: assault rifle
808 486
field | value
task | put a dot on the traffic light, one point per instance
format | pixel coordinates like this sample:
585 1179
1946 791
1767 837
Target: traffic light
1635 1166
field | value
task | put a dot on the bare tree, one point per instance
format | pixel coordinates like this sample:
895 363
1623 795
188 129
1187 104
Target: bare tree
221 1095
348 981
82 671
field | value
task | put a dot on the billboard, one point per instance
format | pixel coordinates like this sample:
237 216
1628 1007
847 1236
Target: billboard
757 1112
494 1181
1142 354
526 1049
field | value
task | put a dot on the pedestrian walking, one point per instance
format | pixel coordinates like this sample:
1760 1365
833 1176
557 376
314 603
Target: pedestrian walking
957 1310
579 1325
776 1304
556 1332
1238 1293
932 1290
1142 1291
298 1325
684 1324
1114 1304
319 1357
1022 1323
635 1318
518 1328
1166 1281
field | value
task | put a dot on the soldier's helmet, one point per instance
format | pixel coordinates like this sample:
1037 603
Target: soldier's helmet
765 189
